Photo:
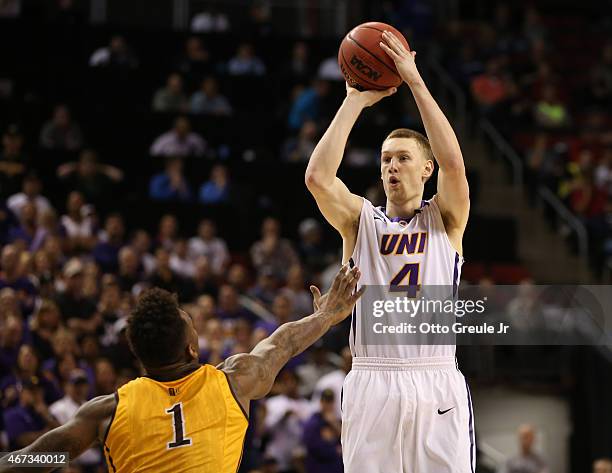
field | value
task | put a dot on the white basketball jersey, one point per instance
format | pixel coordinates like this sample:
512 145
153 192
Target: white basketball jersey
405 252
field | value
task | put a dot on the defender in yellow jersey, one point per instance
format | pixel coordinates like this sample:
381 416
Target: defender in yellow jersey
183 416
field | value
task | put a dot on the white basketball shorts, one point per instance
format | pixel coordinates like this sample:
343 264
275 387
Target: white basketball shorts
407 416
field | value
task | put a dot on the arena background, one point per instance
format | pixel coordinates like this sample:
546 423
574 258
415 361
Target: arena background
526 85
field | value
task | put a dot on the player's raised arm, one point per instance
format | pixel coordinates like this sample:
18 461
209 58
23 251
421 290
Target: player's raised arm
252 374
74 437
453 191
339 206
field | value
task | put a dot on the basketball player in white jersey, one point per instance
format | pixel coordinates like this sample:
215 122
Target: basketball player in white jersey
406 408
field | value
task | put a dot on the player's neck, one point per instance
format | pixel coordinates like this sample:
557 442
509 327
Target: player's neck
404 209
172 372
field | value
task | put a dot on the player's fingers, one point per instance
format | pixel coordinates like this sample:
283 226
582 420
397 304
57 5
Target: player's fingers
392 54
316 295
339 277
352 283
355 297
346 279
393 42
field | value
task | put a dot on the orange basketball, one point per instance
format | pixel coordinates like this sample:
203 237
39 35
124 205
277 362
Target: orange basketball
363 62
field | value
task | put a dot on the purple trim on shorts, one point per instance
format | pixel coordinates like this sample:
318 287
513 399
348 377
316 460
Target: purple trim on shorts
471 421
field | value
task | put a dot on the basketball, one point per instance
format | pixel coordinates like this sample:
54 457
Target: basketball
363 62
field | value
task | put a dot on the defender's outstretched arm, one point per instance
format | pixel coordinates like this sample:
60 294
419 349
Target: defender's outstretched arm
252 374
74 437
453 191
338 205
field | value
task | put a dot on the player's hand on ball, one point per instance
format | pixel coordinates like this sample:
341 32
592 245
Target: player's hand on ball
367 98
341 298
403 58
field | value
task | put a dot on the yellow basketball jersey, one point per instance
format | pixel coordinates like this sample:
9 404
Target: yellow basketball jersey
190 424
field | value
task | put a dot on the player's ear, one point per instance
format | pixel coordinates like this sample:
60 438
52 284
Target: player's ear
193 352
428 169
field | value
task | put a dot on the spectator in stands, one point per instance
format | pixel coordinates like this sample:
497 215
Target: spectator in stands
195 61
602 465
603 172
245 62
179 142
77 390
141 244
106 377
106 251
272 250
116 55
238 276
43 326
299 149
78 224
27 368
61 132
549 111
28 232
207 244
282 311
13 161
322 438
203 281
209 101
264 290
311 247
286 414
164 276
307 104
490 88
295 290
12 277
527 461
168 232
129 273
171 184
95 180
171 98
180 263
210 21
30 418
334 381
30 192
229 307
217 189
78 310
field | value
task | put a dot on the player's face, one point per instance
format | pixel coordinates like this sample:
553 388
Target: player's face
403 168
192 336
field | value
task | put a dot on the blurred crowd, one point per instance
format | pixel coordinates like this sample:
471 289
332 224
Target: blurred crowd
70 272
545 81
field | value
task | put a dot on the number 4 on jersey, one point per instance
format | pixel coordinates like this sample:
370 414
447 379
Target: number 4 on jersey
178 426
409 272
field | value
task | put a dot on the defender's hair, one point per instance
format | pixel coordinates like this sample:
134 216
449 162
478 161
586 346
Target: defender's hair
421 140
156 331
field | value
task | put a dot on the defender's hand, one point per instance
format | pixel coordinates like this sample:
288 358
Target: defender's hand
341 298
367 98
403 58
